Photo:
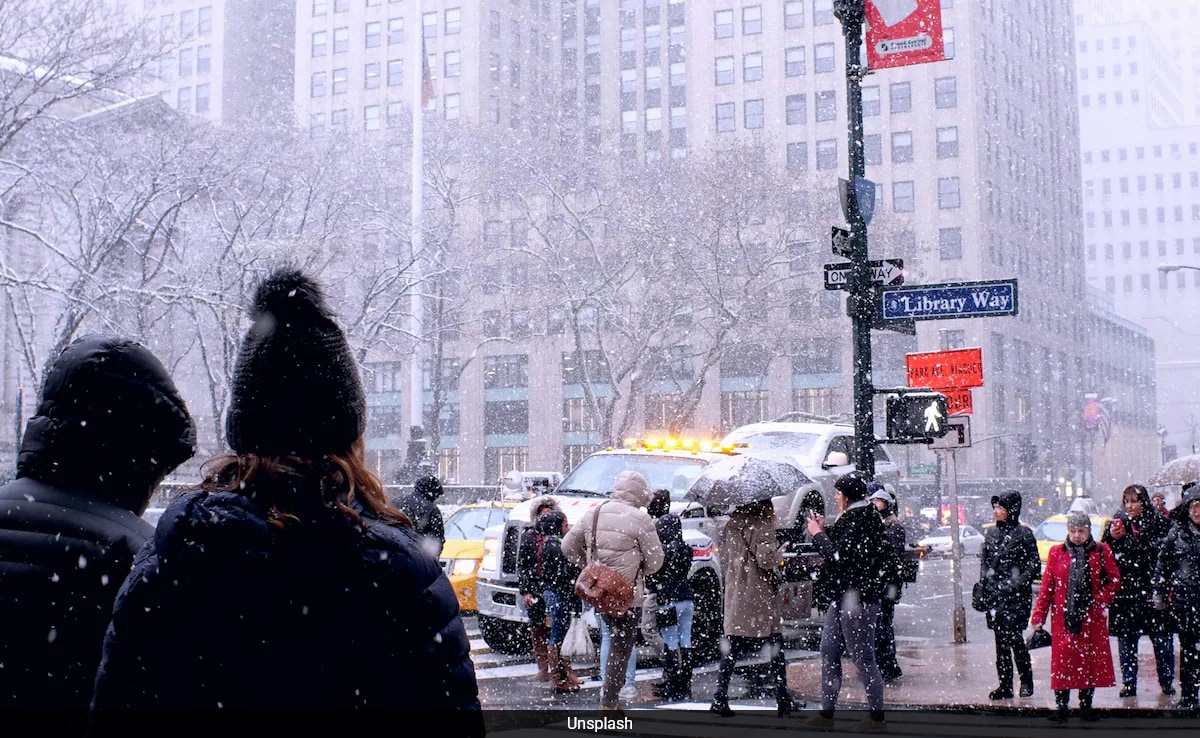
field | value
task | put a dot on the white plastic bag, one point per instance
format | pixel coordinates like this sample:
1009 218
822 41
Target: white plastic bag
577 645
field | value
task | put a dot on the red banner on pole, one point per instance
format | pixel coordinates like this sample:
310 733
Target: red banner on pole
903 32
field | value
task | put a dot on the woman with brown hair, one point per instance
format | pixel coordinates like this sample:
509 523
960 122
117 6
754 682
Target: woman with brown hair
286 581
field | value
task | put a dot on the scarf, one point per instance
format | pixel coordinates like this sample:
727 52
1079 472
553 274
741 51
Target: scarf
1079 585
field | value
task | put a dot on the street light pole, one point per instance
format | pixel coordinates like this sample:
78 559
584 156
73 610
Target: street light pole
859 303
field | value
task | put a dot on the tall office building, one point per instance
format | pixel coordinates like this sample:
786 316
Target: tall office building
975 158
231 61
1141 189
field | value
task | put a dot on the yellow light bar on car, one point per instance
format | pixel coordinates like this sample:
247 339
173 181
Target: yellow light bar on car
706 445
650 443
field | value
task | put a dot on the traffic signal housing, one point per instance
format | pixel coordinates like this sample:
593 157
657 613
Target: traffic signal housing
916 416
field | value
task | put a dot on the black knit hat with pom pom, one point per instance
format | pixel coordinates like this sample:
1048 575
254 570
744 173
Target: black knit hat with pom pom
296 387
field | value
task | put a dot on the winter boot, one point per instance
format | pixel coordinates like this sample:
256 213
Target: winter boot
1004 674
1086 713
568 673
541 639
1061 699
670 669
558 672
685 674
1024 671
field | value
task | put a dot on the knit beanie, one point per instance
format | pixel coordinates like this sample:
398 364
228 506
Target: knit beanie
296 388
1079 519
852 486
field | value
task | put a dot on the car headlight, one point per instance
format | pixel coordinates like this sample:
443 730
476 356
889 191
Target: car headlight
491 549
462 567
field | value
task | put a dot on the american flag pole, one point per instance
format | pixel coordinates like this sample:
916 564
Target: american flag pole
419 74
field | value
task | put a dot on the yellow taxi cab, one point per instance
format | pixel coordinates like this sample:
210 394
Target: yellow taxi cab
1053 531
463 549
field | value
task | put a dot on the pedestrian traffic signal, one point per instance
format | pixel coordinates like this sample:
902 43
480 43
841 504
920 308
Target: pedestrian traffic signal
913 416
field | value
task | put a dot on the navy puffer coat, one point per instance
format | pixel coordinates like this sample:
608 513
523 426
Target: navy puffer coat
225 610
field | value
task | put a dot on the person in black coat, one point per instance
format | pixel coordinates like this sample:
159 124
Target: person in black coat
556 576
109 427
420 505
674 596
1176 589
893 534
286 582
1008 565
851 586
531 587
1136 535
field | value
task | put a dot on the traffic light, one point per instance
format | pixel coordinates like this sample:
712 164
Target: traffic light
913 416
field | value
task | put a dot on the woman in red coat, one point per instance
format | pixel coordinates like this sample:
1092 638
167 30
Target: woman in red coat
1080 581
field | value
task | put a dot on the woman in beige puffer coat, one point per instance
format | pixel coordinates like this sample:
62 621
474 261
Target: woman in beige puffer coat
626 541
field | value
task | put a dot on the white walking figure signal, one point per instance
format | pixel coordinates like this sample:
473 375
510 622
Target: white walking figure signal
932 418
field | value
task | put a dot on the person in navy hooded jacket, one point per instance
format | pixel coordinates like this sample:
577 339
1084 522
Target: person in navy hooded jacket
286 581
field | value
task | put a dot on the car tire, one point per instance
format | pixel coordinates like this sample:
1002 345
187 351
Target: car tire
505 636
708 623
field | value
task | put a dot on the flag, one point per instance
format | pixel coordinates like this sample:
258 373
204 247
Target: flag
427 91
1096 417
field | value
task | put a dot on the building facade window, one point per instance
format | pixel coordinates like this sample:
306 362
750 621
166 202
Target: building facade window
317 86
797 157
723 24
751 20
203 59
429 26
341 81
903 198
395 72
947 142
752 67
341 40
320 43
395 31
452 63
793 61
726 117
743 408
822 12
793 14
900 97
948 193
873 149
826 105
823 58
945 92
870 101
453 106
827 154
950 243
371 76
453 21
902 147
500 460
753 113
373 35
724 70
797 109
371 118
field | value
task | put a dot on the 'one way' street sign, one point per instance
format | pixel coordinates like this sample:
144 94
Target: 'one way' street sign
885 272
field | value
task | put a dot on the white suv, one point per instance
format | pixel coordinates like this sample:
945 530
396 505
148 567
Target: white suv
823 451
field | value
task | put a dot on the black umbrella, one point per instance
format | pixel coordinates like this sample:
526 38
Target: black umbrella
737 480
